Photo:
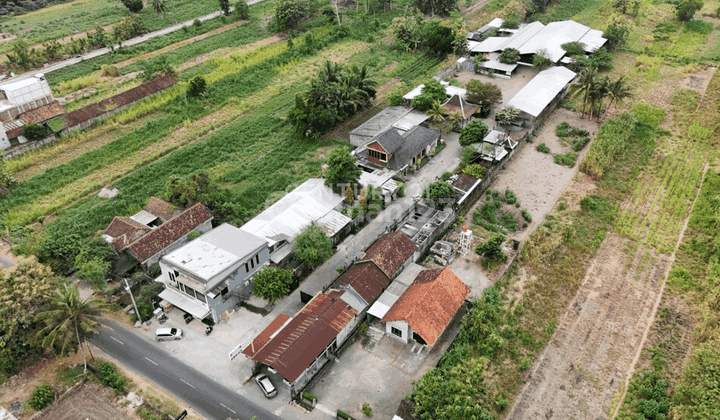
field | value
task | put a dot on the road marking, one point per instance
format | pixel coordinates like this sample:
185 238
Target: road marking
151 361
228 408
117 340
188 383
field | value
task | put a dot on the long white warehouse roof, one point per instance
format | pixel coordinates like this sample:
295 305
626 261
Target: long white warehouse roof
542 89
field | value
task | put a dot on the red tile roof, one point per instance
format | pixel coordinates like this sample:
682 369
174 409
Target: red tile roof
169 232
125 230
430 303
146 89
307 335
367 279
259 342
42 113
465 182
162 209
390 252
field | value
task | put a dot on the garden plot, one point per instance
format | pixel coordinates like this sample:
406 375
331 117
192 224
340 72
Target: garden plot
534 176
88 402
579 372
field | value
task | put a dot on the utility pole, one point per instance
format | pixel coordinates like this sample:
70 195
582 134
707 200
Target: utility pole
127 287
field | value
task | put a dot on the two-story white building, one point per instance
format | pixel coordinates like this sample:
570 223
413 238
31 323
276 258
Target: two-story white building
206 276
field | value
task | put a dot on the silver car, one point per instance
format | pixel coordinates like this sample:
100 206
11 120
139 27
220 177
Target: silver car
265 385
163 334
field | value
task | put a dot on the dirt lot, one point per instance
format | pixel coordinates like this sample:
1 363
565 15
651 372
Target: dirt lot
578 374
90 401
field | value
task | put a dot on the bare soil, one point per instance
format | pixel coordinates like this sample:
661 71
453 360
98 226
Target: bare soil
580 371
89 401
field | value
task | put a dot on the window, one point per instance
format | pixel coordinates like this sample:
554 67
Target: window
252 263
201 297
224 292
377 155
190 291
172 276
257 259
396 331
247 269
181 287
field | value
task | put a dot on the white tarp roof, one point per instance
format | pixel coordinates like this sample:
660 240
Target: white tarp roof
308 203
542 89
593 40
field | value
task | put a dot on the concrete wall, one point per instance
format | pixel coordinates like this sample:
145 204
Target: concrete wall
404 328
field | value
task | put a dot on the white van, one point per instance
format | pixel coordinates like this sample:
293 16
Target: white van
163 334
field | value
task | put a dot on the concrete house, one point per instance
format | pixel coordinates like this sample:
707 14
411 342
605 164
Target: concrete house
426 307
207 276
298 347
398 151
401 118
391 253
159 228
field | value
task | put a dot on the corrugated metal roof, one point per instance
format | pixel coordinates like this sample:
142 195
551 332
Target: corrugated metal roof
549 40
413 93
395 290
492 44
381 121
593 40
412 119
333 222
536 95
299 208
523 35
144 217
259 342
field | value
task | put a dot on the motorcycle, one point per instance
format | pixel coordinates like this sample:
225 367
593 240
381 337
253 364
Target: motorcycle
208 329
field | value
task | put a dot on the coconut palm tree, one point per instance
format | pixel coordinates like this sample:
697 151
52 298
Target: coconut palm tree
617 91
585 85
597 93
436 112
70 319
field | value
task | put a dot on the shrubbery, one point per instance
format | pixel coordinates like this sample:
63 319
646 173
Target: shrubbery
41 397
109 377
272 283
473 132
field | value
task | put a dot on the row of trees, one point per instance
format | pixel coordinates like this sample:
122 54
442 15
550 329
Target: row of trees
595 88
435 37
336 94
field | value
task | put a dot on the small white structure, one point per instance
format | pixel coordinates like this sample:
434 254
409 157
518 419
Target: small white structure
204 277
536 97
465 240
23 95
311 202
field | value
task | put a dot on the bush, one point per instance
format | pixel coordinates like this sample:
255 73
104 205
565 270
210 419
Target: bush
41 397
562 129
401 189
541 62
109 70
366 409
441 193
579 144
687 8
308 396
194 235
510 23
196 87
474 170
567 159
312 246
526 216
542 148
492 248
109 377
501 403
242 10
473 132
34 132
574 49
340 268
510 197
272 283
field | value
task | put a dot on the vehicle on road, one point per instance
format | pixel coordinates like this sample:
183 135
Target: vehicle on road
266 385
163 334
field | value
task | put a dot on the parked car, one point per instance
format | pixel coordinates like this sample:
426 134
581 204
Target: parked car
163 334
266 385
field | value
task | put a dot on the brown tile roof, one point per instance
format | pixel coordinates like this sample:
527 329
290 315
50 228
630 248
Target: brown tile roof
259 342
465 182
367 279
169 232
42 113
146 89
13 128
430 303
307 335
125 230
162 209
390 252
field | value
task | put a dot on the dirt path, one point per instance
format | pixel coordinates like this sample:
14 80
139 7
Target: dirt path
579 372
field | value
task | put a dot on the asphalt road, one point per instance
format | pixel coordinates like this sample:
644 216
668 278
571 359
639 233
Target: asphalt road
204 395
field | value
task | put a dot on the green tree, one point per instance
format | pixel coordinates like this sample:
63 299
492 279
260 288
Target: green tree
199 188
686 9
436 112
438 39
272 283
134 6
128 27
312 246
509 56
70 321
407 30
618 91
436 7
507 115
441 193
26 289
541 62
99 38
59 250
289 13
225 6
432 92
492 248
467 155
19 54
196 87
473 132
7 181
41 397
242 10
615 35
341 168
155 67
483 93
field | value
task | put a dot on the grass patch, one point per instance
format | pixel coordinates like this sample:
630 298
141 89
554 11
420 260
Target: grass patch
567 159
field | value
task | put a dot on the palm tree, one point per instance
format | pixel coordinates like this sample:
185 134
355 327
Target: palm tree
70 319
618 90
437 112
597 92
585 84
158 6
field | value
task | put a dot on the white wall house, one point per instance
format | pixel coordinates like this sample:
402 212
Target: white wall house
205 277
